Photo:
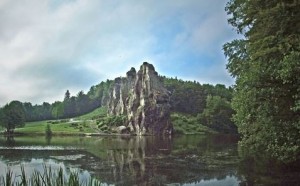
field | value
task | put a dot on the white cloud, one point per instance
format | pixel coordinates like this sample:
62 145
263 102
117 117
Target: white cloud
42 43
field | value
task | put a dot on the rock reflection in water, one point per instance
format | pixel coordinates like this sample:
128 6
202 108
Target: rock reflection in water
147 160
128 158
157 160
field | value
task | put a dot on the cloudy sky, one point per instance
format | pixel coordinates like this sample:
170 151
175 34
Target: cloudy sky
49 46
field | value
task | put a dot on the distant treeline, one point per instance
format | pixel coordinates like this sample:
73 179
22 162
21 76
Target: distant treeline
15 113
210 103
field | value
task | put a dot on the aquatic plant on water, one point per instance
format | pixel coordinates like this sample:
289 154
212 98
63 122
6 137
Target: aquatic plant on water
47 178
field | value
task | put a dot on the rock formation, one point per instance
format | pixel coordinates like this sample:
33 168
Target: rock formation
142 97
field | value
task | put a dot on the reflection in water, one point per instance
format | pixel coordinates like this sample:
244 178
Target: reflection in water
268 172
10 141
48 139
131 158
185 160
227 181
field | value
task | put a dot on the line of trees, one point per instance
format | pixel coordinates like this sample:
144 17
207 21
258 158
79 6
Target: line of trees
211 103
16 113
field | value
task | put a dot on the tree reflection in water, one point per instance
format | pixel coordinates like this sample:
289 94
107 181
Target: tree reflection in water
147 160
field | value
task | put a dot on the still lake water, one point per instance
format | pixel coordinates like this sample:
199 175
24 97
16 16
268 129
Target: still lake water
183 160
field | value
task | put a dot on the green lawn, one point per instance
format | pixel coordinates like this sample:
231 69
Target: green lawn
39 127
79 125
99 112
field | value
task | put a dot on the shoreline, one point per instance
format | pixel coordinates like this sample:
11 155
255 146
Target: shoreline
63 134
73 134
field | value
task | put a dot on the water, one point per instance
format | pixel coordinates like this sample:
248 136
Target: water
184 160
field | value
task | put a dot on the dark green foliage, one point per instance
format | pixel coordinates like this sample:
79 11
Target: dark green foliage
99 93
190 97
266 67
70 107
188 124
211 103
57 110
12 115
37 112
105 123
217 115
83 102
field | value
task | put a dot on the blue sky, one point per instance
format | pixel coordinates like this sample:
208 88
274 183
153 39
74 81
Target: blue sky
49 46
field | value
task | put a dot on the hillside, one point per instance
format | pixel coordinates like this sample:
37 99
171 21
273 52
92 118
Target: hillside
207 104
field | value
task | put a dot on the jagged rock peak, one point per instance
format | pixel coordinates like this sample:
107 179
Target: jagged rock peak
142 97
150 66
131 72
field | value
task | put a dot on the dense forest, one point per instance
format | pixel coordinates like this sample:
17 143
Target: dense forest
266 65
209 103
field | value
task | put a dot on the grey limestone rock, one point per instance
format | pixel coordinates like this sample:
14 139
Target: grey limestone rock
142 97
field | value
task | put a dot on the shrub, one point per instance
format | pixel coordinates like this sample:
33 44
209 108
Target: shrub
48 130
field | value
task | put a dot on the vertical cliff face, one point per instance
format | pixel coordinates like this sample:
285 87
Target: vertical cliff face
143 98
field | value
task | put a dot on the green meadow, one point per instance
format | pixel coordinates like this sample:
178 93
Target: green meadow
72 126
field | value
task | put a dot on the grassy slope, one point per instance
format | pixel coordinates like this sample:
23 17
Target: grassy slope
81 124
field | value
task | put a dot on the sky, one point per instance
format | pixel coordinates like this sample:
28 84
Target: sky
50 46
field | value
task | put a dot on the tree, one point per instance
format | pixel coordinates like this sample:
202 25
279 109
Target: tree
83 103
67 96
217 114
69 105
57 110
266 65
12 115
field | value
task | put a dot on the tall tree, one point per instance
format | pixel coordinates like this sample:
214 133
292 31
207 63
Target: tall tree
83 103
67 96
266 65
